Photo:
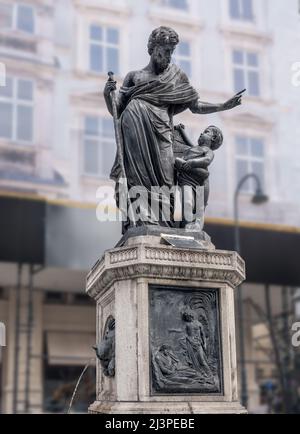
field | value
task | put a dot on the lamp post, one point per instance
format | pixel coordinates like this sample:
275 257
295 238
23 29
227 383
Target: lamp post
258 199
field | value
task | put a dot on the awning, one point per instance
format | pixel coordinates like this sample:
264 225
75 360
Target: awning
53 234
70 349
22 226
271 252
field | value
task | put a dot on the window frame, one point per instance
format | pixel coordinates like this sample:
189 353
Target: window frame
246 70
12 20
14 15
241 15
167 4
104 44
17 102
101 141
178 58
250 187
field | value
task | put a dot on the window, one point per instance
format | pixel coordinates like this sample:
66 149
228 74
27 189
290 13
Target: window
104 49
18 17
250 156
246 72
176 4
82 300
182 57
241 9
99 146
25 18
55 297
6 16
16 110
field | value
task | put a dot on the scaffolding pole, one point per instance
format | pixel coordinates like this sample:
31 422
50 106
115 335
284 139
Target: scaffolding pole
17 339
30 323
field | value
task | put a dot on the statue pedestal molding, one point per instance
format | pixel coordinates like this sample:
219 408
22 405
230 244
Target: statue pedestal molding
166 315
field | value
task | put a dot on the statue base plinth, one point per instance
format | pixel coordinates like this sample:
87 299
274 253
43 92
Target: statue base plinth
174 329
166 408
156 231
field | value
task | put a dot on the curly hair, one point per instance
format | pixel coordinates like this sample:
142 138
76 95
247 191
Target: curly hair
161 36
188 316
217 138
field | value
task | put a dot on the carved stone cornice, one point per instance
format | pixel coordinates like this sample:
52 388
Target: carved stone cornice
164 262
94 6
241 33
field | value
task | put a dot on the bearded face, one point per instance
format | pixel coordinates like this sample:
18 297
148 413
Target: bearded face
162 56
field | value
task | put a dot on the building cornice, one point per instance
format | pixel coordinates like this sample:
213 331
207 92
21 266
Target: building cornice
246 34
186 22
248 120
95 7
30 65
32 189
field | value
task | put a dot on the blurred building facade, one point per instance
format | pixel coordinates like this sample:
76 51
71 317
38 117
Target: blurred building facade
57 147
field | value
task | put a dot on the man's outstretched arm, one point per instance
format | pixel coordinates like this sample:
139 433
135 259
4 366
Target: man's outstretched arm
201 107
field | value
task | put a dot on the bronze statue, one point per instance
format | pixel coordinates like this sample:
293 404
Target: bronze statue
192 169
195 345
169 371
185 340
143 111
193 166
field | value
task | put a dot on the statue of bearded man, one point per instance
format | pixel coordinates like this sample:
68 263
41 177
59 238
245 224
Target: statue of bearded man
146 104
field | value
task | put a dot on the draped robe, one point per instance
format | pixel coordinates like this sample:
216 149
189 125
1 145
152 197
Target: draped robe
146 127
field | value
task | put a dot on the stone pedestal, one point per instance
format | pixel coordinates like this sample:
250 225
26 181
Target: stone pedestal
174 329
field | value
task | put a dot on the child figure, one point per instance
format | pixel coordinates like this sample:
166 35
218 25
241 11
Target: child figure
193 167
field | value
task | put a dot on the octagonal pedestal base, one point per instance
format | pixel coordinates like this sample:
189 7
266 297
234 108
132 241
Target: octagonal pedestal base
174 329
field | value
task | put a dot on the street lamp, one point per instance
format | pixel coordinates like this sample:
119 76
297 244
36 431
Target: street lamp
258 199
